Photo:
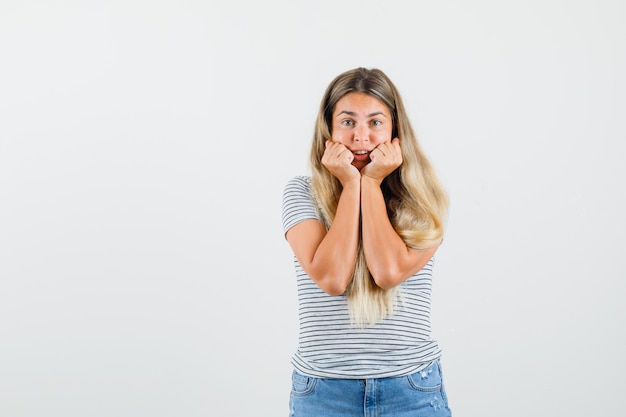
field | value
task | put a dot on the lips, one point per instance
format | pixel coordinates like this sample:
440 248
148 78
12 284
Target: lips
361 155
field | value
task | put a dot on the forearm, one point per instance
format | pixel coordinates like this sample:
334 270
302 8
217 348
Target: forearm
335 258
388 258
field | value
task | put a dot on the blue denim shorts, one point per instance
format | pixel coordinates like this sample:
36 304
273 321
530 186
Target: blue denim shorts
418 394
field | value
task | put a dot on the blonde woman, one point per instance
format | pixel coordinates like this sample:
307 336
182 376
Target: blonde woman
364 228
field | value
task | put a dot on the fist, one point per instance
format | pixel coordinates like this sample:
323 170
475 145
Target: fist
338 160
384 160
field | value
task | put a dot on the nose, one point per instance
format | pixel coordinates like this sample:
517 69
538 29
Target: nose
361 134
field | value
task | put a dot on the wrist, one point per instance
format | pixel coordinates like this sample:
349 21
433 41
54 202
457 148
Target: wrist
351 183
366 180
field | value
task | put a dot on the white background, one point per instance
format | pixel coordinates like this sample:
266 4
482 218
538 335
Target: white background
144 146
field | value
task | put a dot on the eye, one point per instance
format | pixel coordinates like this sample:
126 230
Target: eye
347 122
376 122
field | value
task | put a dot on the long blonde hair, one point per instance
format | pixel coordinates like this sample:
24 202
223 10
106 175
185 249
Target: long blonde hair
416 202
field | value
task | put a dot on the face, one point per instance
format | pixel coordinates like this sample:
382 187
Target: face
361 122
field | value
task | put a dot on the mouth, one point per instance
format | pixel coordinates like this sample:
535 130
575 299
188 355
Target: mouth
361 155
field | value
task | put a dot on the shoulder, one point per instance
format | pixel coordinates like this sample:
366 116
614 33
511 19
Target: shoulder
299 181
298 202
299 185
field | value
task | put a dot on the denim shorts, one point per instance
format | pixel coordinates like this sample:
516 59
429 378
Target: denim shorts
418 394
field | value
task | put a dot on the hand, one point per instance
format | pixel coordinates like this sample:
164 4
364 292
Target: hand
338 160
384 160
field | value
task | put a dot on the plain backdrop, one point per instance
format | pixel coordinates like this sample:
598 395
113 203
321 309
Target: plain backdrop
144 146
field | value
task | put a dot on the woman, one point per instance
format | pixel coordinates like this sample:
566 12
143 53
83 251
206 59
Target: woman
363 229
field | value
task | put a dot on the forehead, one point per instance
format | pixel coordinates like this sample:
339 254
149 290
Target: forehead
361 104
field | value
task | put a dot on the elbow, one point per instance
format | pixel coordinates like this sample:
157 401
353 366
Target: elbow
387 279
333 281
334 290
333 285
386 283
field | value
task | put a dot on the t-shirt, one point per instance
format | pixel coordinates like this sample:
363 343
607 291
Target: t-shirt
329 345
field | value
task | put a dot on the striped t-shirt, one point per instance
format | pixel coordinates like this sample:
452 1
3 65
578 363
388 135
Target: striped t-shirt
329 345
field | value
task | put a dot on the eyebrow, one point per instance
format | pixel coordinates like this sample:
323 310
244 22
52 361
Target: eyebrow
351 113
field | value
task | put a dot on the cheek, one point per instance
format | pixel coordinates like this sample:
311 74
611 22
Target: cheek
338 137
382 137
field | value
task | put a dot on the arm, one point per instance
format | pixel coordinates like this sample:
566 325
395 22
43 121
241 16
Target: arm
329 257
388 258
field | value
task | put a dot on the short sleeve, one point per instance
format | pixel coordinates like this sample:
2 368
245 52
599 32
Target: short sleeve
298 202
